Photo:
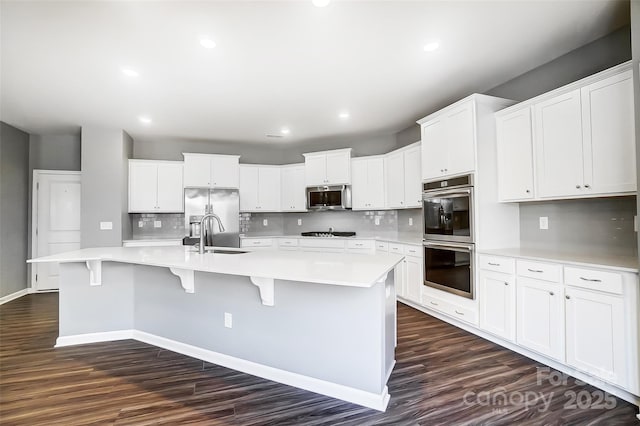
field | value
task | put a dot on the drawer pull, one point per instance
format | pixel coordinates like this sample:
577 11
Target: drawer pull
591 280
506 283
535 270
493 264
359 245
459 313
567 297
434 303
551 293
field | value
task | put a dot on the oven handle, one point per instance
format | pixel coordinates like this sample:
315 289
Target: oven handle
451 193
467 248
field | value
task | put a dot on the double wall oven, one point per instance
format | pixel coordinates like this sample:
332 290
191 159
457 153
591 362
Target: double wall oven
447 207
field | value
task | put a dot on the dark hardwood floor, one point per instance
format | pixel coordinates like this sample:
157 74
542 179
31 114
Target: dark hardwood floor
443 375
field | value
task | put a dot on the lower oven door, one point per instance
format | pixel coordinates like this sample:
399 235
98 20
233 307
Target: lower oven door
449 267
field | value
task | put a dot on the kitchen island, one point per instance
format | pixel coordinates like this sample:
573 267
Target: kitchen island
323 322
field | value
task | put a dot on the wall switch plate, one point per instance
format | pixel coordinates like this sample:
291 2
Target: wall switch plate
140 224
105 226
299 222
410 221
544 222
377 220
265 222
157 224
228 320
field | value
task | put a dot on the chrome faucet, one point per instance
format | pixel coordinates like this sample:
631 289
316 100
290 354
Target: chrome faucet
202 229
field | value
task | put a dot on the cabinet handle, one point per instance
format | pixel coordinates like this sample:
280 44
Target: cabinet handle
493 264
527 191
434 303
586 185
459 313
445 171
441 170
567 297
401 202
578 187
591 280
506 283
535 270
551 293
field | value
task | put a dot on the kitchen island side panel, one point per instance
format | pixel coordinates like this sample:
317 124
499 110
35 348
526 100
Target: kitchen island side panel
333 333
95 309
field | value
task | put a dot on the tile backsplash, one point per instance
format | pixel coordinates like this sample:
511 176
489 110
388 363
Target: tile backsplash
171 225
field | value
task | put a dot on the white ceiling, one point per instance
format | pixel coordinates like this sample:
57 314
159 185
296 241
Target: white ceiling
276 64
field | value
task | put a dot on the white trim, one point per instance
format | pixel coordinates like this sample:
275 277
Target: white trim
594 381
81 339
13 296
367 399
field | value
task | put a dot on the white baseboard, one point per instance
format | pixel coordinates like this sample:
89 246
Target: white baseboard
13 296
367 399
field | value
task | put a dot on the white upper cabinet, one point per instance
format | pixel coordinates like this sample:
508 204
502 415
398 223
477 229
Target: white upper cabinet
448 141
515 155
293 191
211 171
583 141
259 188
155 186
609 135
367 178
328 167
403 185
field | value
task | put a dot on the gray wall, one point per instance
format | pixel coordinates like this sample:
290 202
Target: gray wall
635 45
104 186
14 218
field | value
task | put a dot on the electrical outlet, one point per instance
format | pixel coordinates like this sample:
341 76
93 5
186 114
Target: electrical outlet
299 222
157 224
140 224
410 221
106 226
544 222
265 222
377 220
228 320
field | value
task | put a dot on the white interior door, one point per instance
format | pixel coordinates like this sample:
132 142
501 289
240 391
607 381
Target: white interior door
56 221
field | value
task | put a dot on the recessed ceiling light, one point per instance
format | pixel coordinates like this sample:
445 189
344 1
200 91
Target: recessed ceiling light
320 3
145 120
344 115
207 43
430 47
285 131
129 72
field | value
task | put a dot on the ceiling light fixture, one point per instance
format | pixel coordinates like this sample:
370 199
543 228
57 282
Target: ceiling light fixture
207 43
344 115
320 3
129 72
285 131
145 120
430 47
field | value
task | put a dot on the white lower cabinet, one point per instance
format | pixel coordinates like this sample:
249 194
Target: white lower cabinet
413 275
497 294
257 243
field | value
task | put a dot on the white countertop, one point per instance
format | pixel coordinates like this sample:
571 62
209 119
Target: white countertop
627 263
151 240
397 239
345 269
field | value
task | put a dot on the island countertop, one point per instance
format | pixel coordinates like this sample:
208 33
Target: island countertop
344 269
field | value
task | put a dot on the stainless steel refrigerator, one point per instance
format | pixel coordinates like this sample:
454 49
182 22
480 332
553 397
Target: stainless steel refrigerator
223 202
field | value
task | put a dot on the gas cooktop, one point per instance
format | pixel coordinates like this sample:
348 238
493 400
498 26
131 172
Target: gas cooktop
328 234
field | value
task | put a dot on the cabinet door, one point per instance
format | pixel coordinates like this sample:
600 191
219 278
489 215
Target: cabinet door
269 189
375 183
413 278
515 155
339 168
559 164
359 185
197 171
412 181
460 139
143 187
225 172
292 196
170 188
595 335
400 279
315 169
248 188
540 317
498 304
394 177
609 135
434 149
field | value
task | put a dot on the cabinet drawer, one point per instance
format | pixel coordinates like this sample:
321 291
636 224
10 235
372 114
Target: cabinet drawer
451 309
257 242
382 246
321 243
539 270
593 279
288 242
396 248
414 251
505 265
361 244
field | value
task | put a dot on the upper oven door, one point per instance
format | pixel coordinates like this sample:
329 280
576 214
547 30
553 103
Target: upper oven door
448 215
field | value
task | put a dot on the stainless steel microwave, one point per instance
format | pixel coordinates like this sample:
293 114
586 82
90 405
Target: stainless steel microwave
329 197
